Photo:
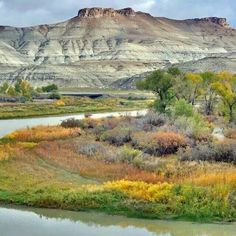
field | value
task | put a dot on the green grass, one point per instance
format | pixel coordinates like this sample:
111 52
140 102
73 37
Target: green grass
115 202
71 106
105 90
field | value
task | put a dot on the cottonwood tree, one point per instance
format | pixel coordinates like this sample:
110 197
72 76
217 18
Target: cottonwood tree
160 82
191 87
225 87
209 93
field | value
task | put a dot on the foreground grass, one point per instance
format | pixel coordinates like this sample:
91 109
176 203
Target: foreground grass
70 106
46 167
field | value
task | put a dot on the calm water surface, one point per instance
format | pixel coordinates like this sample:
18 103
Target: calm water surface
44 222
9 126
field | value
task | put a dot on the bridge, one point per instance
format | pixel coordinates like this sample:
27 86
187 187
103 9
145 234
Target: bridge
82 94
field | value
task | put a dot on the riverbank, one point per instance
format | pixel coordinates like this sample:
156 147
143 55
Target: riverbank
71 105
103 165
33 221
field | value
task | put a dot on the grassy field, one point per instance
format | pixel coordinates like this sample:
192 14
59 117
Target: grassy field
70 106
112 165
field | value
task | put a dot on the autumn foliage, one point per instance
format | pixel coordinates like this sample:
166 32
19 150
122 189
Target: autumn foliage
159 143
41 133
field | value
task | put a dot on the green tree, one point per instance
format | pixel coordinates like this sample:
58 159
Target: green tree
210 95
50 88
11 91
161 83
4 88
225 87
191 87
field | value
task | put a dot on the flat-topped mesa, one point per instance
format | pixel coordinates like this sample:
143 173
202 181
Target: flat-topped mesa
97 12
216 20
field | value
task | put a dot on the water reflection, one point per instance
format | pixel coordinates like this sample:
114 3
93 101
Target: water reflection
44 222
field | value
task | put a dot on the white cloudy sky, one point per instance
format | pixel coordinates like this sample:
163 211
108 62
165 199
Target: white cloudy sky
31 12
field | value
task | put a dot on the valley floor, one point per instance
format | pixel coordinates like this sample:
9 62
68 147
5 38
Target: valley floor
109 165
71 105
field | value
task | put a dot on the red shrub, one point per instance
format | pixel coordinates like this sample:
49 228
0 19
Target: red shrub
159 143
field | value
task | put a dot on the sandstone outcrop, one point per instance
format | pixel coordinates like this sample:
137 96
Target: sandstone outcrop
215 20
103 12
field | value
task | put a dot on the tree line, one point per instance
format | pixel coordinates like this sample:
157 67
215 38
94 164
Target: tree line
214 90
22 88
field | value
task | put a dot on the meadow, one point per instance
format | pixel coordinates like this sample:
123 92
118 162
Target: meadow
149 167
70 105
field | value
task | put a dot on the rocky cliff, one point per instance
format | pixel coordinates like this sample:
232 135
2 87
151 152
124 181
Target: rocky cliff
104 47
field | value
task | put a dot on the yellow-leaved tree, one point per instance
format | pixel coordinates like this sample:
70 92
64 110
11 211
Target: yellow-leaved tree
225 87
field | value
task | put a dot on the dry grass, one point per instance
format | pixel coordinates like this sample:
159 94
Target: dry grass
63 155
41 133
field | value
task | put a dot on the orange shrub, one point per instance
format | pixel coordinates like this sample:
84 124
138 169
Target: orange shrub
231 134
159 143
8 151
41 133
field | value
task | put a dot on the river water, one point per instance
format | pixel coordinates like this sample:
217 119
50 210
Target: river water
44 222
9 126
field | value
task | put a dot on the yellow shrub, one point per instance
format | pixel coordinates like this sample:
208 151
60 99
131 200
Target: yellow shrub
27 145
59 103
6 151
141 190
211 179
3 155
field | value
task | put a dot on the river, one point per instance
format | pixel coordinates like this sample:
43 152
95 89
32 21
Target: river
44 222
10 125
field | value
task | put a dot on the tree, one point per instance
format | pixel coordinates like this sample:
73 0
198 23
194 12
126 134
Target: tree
23 88
161 83
4 88
210 95
192 87
225 87
174 71
50 88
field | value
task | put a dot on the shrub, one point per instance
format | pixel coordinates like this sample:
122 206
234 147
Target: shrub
232 199
109 124
194 128
159 143
149 122
83 124
231 134
182 108
154 118
128 155
59 103
41 133
220 152
91 148
73 123
142 191
117 136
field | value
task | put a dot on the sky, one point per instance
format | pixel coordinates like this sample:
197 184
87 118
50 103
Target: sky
33 12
